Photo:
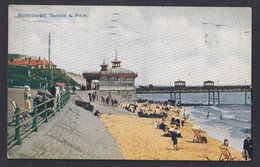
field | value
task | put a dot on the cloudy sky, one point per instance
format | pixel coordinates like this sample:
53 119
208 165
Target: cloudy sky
161 44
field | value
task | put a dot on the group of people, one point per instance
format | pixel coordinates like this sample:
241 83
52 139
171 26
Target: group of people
131 107
108 101
55 91
173 132
177 121
173 128
92 96
247 147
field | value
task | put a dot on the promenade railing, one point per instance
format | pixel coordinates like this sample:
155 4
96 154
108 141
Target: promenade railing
15 132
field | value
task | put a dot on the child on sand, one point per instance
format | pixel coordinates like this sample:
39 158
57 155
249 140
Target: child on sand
175 141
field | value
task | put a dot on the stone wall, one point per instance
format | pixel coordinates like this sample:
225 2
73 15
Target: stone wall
120 95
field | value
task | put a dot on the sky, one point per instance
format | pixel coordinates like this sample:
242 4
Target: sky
160 44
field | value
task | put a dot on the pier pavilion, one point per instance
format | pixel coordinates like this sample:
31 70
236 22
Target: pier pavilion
116 83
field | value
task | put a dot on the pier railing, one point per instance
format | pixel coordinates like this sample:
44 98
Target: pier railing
193 89
178 90
16 136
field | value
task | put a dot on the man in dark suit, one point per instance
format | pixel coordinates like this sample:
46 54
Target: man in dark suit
248 147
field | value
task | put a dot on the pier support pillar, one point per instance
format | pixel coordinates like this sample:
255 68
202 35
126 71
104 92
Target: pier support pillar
245 97
174 96
171 96
213 98
180 98
218 99
209 99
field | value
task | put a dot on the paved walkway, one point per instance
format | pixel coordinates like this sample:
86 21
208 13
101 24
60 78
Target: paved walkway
103 107
74 133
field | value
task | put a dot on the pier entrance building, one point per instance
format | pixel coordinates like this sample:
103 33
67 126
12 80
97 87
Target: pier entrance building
116 83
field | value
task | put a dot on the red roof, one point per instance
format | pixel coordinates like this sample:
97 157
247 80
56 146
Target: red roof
18 63
34 62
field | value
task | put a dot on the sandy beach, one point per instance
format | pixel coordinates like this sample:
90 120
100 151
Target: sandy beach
139 140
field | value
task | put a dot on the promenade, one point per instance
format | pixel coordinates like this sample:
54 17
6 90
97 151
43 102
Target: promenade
74 133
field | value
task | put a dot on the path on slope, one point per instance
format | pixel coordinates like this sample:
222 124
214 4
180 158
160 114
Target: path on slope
74 133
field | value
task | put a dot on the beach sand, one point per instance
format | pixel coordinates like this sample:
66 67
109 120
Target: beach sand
138 140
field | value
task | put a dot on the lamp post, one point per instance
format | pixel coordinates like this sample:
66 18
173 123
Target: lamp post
49 72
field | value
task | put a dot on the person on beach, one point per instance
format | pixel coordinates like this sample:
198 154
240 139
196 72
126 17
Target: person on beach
97 113
225 143
171 130
163 126
107 100
182 122
208 115
178 111
178 122
220 117
247 147
156 124
93 97
163 119
27 103
73 89
90 97
112 102
175 141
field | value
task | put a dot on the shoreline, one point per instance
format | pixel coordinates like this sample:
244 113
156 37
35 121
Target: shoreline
139 140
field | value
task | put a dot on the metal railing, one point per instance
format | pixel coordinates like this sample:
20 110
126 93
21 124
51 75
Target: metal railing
61 101
190 89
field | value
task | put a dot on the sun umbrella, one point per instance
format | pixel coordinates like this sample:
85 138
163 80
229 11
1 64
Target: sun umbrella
60 84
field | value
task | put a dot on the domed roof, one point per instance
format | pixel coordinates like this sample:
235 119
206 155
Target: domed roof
118 70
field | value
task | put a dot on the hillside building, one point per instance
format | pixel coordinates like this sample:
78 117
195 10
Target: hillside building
31 62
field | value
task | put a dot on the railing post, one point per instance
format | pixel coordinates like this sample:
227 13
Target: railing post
58 103
61 101
34 126
54 111
45 109
67 97
64 98
17 125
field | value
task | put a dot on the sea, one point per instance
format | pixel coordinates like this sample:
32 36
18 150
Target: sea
236 115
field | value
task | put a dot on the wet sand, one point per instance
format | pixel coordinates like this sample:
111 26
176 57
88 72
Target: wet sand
139 140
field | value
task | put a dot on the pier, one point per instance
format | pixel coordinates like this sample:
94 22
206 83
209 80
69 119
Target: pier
208 87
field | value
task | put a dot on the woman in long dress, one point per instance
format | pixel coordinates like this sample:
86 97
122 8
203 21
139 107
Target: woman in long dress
27 103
